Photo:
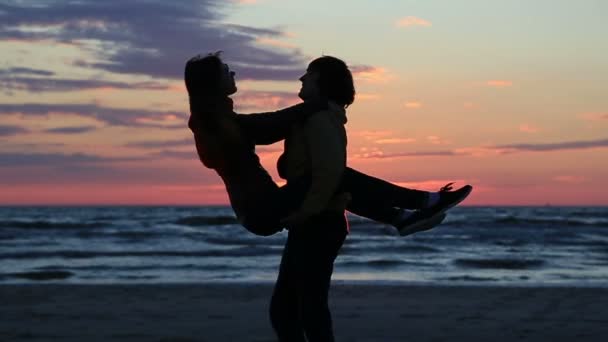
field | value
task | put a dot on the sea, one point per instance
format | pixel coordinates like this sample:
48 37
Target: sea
502 246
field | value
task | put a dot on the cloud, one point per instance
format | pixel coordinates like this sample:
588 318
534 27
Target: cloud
367 96
370 73
251 100
97 174
412 104
380 137
25 71
392 141
594 116
71 130
9 130
569 179
56 159
162 143
483 151
499 83
150 37
370 134
383 155
174 154
37 84
275 43
561 146
528 128
413 21
435 140
108 115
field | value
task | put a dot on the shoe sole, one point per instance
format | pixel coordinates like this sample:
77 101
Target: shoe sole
423 225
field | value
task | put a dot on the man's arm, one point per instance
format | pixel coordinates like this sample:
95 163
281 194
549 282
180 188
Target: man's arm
328 160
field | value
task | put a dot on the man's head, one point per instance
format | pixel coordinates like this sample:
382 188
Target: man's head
209 76
328 78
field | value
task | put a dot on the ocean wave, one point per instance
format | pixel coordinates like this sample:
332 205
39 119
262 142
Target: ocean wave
380 263
528 222
137 277
244 241
52 225
467 278
151 267
198 221
67 254
507 264
43 275
356 248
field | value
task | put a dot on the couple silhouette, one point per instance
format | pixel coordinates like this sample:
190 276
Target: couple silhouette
320 186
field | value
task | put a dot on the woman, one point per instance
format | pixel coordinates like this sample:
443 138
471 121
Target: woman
226 142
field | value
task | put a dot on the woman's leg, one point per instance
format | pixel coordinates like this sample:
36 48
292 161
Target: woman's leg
378 199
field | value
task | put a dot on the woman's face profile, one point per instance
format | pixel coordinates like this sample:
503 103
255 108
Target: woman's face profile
227 82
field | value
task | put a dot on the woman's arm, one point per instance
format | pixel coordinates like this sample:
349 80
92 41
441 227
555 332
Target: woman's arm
270 127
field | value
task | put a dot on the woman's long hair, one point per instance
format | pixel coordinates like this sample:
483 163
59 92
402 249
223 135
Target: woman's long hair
217 135
202 76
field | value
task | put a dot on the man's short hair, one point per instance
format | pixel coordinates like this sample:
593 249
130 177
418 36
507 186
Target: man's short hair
335 80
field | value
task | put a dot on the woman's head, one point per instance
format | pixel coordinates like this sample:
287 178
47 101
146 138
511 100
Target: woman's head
328 77
209 76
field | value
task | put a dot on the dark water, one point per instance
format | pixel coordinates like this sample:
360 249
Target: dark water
474 245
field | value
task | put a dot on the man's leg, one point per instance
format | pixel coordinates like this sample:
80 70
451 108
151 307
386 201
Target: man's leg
285 303
319 241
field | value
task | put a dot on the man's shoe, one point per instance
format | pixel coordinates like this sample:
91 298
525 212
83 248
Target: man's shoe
419 221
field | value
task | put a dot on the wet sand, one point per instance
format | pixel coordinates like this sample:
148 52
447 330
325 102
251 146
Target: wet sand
238 312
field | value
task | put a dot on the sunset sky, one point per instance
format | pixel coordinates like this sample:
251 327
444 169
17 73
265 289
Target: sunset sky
509 96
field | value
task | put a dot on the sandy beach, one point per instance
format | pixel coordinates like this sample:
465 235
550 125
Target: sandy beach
238 312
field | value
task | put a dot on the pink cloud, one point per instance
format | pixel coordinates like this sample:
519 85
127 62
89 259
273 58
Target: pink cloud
378 154
435 140
369 134
594 116
499 83
413 21
275 43
251 100
528 128
569 179
370 73
390 141
413 105
367 97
